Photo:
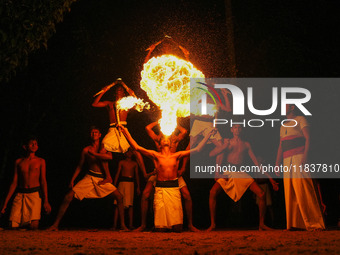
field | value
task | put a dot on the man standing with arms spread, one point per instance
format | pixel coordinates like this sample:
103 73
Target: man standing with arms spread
167 199
174 141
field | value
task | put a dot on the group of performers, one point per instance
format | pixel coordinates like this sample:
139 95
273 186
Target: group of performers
303 203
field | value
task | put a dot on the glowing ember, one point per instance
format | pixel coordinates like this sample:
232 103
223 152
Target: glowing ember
127 103
166 80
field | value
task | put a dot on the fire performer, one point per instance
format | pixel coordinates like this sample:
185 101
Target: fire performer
114 141
235 184
167 198
174 141
96 183
29 178
303 210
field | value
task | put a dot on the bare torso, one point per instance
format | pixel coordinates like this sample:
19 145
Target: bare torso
29 170
128 168
111 108
237 150
95 165
166 166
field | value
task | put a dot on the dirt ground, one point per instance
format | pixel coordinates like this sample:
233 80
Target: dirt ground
228 241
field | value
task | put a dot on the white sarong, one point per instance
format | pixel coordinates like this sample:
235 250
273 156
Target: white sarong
127 191
167 207
26 207
235 184
115 140
88 187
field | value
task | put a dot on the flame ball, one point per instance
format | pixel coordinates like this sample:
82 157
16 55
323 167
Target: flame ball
166 80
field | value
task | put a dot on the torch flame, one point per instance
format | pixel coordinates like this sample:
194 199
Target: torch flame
127 103
166 80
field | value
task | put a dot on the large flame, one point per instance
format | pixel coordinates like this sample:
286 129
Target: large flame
166 80
127 103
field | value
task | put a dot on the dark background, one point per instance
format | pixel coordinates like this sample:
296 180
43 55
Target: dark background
99 41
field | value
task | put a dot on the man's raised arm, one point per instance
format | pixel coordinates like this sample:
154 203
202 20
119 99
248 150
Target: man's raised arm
133 143
182 134
97 102
150 132
128 90
200 146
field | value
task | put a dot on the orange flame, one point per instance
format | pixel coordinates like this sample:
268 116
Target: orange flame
127 103
166 80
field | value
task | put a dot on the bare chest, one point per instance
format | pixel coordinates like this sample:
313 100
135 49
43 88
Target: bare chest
237 147
167 162
30 167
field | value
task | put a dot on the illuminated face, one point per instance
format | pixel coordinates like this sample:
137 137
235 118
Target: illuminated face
32 146
236 130
95 134
165 141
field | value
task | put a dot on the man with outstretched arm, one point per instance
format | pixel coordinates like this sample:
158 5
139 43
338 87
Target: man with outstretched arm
167 198
149 188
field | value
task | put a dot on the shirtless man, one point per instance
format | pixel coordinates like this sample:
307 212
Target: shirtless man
96 183
29 179
127 173
167 199
236 183
174 141
114 141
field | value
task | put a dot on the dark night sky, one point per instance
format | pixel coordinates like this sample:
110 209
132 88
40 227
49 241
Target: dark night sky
100 41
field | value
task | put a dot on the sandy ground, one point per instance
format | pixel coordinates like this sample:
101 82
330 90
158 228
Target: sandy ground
229 241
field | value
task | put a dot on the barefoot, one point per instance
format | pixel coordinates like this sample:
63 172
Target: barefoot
52 228
140 229
211 228
124 229
264 227
193 229
315 230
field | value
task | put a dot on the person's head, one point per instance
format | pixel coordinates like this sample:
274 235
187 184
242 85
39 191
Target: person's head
31 144
119 91
290 109
236 130
164 141
129 153
95 133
